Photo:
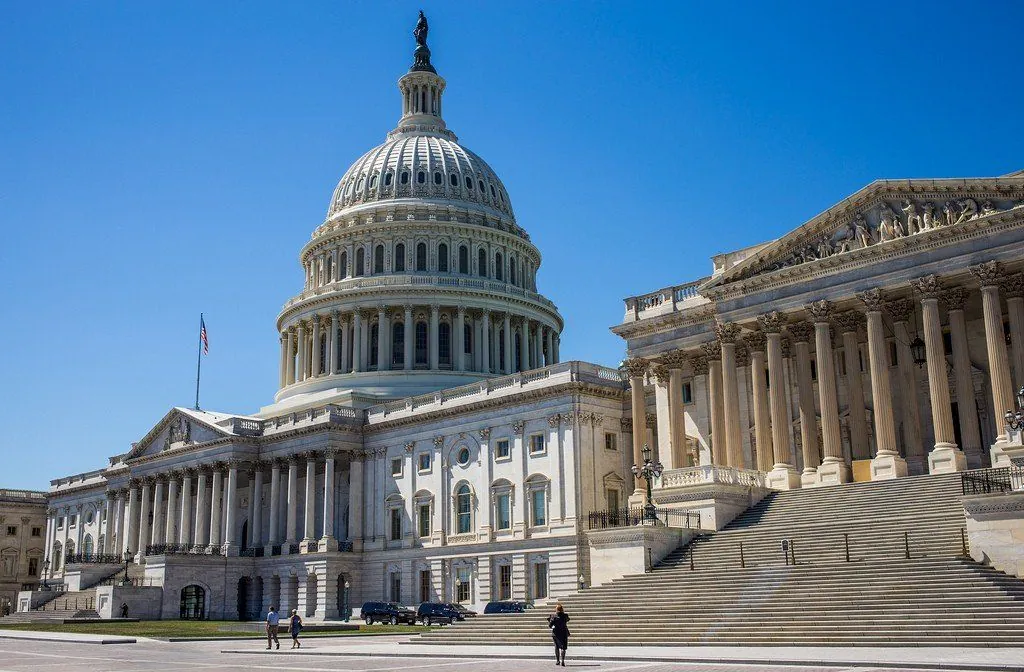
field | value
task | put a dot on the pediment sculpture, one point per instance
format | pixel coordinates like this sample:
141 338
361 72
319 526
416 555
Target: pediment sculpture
180 431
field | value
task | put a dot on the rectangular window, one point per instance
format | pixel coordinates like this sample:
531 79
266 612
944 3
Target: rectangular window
536 444
613 499
538 501
687 393
424 520
396 587
463 583
814 370
947 343
424 462
12 530
540 581
73 520
894 358
504 517
610 441
37 531
396 524
424 585
396 466
60 522
505 582
33 566
501 449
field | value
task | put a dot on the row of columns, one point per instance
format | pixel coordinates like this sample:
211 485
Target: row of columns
770 411
347 342
211 525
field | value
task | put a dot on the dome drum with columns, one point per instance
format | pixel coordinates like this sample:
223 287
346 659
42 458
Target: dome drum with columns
419 278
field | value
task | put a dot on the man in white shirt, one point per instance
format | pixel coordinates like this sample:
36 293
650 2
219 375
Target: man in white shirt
272 621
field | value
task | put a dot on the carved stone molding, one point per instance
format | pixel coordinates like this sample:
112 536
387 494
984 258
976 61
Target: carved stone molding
712 350
517 427
873 299
554 420
661 373
802 332
954 298
772 322
756 340
636 366
900 310
821 311
990 273
742 357
409 446
727 332
1013 285
675 359
626 424
849 321
700 365
438 441
928 287
484 433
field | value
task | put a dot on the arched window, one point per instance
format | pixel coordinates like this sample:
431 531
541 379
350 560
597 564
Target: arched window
463 259
438 178
499 273
87 546
398 344
454 179
444 343
388 179
404 177
399 258
442 258
192 605
467 339
493 195
481 263
378 259
501 349
512 270
374 340
360 262
469 182
481 184
343 264
359 185
330 268
463 509
421 177
421 256
373 181
421 343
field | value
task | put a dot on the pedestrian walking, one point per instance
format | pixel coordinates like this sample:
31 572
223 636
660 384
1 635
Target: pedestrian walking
559 624
294 627
273 621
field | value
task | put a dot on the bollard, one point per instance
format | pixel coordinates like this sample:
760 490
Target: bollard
906 544
743 562
846 541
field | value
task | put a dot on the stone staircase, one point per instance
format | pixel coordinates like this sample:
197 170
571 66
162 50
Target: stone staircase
880 597
63 606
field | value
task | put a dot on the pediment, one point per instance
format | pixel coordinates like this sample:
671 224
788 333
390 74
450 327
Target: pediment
178 429
876 216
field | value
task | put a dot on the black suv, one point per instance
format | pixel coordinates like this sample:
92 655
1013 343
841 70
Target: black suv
432 613
506 607
387 612
463 612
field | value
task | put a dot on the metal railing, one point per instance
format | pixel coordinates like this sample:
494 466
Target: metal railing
68 604
93 558
992 481
134 581
603 520
293 549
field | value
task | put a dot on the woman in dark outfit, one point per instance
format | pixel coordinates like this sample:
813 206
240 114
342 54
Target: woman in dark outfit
559 624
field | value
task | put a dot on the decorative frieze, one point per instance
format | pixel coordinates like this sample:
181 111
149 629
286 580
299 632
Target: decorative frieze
484 433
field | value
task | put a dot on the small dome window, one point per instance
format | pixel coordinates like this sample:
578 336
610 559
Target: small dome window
493 194
501 197
373 181
455 180
404 178
469 182
388 178
438 179
481 183
421 177
359 185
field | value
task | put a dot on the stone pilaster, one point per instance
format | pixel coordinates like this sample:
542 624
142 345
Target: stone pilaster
637 369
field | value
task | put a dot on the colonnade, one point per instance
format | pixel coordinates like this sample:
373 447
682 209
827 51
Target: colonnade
414 338
875 310
208 522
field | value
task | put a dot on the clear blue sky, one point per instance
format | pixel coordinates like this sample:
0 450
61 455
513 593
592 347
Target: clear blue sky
162 159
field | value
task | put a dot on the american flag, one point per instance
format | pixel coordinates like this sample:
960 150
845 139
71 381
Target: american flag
202 336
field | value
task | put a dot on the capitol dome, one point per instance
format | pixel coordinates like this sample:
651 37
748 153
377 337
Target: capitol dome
419 278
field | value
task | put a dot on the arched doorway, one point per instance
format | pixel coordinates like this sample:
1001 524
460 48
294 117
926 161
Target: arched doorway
243 598
192 605
344 587
311 595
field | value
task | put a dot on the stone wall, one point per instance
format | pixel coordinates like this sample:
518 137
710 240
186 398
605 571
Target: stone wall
995 529
143 602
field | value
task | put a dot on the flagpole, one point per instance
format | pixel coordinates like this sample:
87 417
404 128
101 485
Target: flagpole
199 359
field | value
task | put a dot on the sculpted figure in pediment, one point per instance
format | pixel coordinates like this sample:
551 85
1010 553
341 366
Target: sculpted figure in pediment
180 431
987 208
825 248
887 225
862 231
949 213
968 210
913 218
928 221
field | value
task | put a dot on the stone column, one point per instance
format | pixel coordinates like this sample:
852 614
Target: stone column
524 346
301 338
783 475
860 444
801 333
291 521
900 310
383 333
333 341
108 537
549 357
172 514
1013 287
663 416
991 275
328 540
256 522
713 353
637 368
945 457
157 533
315 361
887 462
282 380
309 534
677 413
485 340
433 341
538 360
275 505
557 342
762 418
289 375
203 514
216 522
143 525
507 340
231 545
409 333
970 435
460 338
357 340
355 501
185 515
130 543
118 547
833 469
727 334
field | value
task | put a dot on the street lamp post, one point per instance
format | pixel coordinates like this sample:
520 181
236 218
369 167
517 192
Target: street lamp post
458 585
46 573
648 471
127 558
348 610
1015 419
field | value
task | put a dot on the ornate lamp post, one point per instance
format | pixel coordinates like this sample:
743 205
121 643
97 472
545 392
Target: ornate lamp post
127 559
46 573
347 610
458 585
648 471
1015 419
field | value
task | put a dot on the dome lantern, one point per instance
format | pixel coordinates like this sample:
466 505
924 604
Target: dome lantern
422 89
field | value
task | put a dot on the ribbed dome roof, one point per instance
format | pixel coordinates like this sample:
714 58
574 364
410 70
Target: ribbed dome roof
420 165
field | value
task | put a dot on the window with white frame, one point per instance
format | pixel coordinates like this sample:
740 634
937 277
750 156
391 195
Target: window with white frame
611 441
502 451
396 524
396 466
424 462
423 519
463 509
501 495
463 584
536 444
60 522
505 582
537 497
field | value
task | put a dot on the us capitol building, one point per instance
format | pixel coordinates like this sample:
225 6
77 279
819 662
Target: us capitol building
426 441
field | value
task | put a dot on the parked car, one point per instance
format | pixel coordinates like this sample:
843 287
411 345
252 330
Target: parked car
506 607
387 612
463 611
434 613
